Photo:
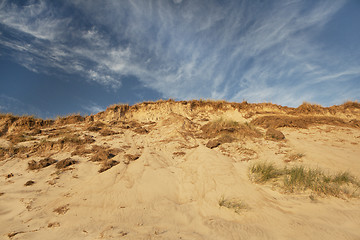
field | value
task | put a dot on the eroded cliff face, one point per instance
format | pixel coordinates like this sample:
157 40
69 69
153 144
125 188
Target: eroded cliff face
155 111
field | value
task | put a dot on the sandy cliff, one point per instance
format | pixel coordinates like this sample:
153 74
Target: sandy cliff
182 170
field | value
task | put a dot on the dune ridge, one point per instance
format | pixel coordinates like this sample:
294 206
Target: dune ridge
181 170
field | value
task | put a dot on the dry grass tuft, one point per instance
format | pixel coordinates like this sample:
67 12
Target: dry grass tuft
62 210
141 130
19 137
221 140
103 153
81 151
236 204
69 142
107 165
96 126
107 132
33 165
351 105
294 157
65 163
53 224
29 183
71 139
227 128
273 134
179 154
12 151
276 121
71 119
308 108
119 108
131 157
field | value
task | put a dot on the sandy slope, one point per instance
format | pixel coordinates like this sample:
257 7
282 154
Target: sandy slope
172 191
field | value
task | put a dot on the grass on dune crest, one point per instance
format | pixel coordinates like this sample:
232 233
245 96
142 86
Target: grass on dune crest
300 179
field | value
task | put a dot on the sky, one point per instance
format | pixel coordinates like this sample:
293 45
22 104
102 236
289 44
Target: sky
80 56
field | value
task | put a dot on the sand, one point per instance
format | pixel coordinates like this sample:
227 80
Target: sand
173 189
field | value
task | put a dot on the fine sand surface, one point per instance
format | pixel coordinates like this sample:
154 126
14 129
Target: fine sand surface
165 181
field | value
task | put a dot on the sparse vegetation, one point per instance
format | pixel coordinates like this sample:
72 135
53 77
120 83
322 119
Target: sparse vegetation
131 157
276 121
228 128
70 119
81 151
179 154
33 165
273 134
71 138
264 172
107 132
294 157
12 151
102 153
300 179
19 137
62 210
65 163
107 165
236 204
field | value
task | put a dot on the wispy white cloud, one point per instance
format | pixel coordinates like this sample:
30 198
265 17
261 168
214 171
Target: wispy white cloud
186 49
92 108
12 105
34 18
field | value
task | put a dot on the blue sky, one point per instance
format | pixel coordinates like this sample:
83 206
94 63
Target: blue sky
61 57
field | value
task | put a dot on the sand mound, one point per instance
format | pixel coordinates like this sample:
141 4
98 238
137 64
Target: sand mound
183 170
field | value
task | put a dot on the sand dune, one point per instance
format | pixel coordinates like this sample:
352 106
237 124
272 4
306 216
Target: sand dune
160 178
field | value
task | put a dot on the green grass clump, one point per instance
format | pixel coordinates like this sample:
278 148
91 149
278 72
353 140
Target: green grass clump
300 179
235 204
264 172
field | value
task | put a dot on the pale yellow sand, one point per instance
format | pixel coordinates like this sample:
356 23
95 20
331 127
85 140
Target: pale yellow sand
163 195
